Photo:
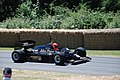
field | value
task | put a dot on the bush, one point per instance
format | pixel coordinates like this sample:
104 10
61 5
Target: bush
28 10
29 16
111 5
16 23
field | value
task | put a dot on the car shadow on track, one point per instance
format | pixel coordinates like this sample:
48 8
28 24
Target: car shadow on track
78 63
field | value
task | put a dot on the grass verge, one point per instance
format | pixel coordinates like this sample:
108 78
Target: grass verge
44 75
113 53
6 48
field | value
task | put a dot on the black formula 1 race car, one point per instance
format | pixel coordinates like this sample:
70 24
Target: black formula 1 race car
27 51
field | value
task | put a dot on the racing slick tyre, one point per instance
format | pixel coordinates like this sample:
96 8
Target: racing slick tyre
18 56
80 51
60 59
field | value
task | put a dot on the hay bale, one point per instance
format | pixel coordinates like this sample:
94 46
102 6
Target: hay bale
41 37
90 39
102 39
74 39
59 37
8 37
70 39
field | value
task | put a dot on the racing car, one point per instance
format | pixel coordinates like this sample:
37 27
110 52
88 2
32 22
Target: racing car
27 51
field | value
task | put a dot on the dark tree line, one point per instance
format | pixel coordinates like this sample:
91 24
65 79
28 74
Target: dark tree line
7 8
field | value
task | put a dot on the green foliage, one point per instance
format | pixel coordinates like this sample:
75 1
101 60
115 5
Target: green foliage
28 10
35 8
111 5
16 23
30 15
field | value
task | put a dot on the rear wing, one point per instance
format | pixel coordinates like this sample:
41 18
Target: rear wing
24 44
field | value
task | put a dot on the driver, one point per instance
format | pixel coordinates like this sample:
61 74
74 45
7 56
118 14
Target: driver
55 46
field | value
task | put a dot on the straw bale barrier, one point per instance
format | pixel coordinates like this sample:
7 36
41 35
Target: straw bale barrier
8 37
59 37
70 39
102 39
41 37
90 39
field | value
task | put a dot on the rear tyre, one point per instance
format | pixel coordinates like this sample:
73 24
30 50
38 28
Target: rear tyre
18 56
60 60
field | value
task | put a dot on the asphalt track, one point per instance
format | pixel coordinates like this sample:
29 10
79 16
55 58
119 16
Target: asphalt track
100 66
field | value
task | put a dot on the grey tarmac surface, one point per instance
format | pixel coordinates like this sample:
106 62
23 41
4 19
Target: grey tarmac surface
100 66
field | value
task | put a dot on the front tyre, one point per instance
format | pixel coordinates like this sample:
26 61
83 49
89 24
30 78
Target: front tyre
60 60
80 51
18 56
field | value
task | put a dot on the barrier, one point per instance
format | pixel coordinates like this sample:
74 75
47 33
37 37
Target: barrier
89 39
41 37
102 39
71 39
8 37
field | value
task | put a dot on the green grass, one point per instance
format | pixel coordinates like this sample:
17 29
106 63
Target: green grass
111 53
6 48
104 53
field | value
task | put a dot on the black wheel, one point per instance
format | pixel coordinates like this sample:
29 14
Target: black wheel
80 51
60 60
18 56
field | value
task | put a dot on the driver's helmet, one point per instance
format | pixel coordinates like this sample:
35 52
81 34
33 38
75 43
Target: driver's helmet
55 46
